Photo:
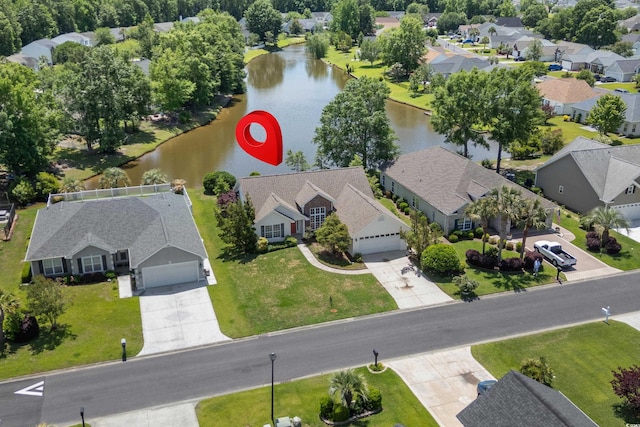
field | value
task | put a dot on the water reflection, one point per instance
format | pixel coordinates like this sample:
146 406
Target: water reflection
266 73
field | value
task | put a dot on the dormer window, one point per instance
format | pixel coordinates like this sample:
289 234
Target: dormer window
631 189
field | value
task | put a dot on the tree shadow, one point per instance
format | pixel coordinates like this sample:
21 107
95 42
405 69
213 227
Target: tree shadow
82 159
626 413
48 340
228 255
144 136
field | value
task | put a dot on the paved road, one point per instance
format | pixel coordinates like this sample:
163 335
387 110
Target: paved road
145 382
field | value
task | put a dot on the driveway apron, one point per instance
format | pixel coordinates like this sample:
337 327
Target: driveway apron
404 282
178 317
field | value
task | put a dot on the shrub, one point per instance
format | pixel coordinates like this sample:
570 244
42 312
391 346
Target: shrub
357 257
491 252
612 246
262 246
511 264
110 274
374 399
309 235
488 262
46 184
218 182
290 241
592 235
407 210
402 206
326 408
26 272
473 257
24 193
626 385
537 369
509 246
99 276
470 235
441 258
398 201
593 244
387 194
394 197
530 257
465 284
453 238
340 413
486 163
494 240
478 232
519 247
28 329
87 278
228 197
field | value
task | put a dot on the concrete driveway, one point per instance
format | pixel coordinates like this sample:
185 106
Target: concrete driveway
444 382
178 317
404 282
587 266
634 230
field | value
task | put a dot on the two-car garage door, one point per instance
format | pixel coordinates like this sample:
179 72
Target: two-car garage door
380 243
170 274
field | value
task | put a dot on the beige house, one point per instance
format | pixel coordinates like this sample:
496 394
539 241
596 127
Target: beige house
586 174
561 94
442 184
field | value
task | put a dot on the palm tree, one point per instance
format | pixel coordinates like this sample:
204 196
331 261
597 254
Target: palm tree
154 176
492 30
348 385
531 214
506 201
8 303
71 185
114 178
482 210
603 219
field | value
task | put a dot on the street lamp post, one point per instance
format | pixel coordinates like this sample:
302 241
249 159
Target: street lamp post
272 356
82 415
124 349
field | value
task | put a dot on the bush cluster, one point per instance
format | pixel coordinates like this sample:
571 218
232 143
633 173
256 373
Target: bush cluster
462 235
476 259
530 257
510 264
218 182
441 258
594 244
262 246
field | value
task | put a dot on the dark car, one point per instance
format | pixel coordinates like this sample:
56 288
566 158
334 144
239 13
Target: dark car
607 79
519 58
483 386
554 67
597 77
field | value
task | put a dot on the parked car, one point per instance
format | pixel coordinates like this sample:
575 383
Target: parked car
468 41
619 89
519 58
607 79
554 253
597 77
554 67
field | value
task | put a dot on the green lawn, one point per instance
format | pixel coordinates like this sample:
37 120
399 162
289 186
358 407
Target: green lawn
630 86
301 398
89 332
627 259
388 203
582 357
91 329
279 290
282 42
571 130
492 282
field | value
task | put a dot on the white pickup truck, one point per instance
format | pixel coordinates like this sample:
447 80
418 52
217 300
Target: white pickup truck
554 253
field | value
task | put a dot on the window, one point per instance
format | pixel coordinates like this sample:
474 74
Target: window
465 224
633 129
382 180
560 189
92 264
52 266
273 231
631 189
393 186
317 217
415 202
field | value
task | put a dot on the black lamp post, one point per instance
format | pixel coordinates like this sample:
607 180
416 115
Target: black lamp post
82 415
375 358
124 349
272 356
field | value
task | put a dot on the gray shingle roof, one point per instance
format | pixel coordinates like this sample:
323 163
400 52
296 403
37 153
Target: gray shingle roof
357 210
144 225
631 100
519 401
288 186
609 170
446 180
455 63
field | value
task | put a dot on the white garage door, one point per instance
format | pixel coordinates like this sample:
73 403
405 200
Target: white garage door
380 244
630 212
170 274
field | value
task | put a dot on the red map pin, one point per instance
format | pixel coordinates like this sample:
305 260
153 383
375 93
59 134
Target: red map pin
269 151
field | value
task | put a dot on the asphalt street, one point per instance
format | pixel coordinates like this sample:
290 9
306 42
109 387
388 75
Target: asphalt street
219 369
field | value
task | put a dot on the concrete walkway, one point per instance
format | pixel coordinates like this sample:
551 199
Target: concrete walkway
183 415
178 317
313 261
404 281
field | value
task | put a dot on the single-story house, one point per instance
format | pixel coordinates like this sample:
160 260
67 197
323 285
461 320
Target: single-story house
521 47
623 70
40 48
72 37
634 39
586 174
448 64
631 24
631 124
290 204
571 48
322 18
595 61
27 61
562 94
153 238
509 22
308 25
442 184
519 401
431 20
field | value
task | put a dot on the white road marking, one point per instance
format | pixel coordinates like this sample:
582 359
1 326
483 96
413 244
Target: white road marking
36 389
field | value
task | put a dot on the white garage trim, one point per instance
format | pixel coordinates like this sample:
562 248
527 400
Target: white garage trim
170 274
379 243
